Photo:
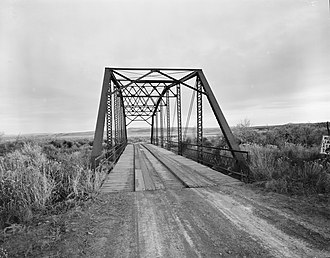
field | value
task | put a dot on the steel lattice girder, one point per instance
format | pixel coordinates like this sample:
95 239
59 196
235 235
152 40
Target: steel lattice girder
109 116
168 121
199 119
139 94
179 118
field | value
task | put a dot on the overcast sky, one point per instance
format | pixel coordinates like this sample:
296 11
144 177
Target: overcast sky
266 60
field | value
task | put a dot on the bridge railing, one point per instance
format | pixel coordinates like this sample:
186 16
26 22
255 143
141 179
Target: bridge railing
110 155
220 159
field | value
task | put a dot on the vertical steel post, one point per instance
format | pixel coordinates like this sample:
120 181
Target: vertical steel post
156 116
161 126
168 121
199 120
116 118
178 105
99 130
109 116
120 122
124 124
152 138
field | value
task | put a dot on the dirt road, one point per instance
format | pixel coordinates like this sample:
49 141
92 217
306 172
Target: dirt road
229 221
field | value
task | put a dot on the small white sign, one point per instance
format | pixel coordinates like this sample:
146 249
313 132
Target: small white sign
325 145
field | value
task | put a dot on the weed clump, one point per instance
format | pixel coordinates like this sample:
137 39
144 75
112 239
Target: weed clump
285 159
35 178
286 170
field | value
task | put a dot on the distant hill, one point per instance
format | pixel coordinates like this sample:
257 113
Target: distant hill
131 132
145 132
265 127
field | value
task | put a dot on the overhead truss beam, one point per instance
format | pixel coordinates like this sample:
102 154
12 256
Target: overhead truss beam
143 94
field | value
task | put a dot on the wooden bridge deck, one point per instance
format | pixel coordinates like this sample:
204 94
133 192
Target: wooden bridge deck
148 167
158 204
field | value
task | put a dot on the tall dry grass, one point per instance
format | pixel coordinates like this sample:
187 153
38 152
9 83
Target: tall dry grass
291 168
34 178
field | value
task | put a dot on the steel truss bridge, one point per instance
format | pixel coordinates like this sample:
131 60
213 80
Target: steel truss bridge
156 96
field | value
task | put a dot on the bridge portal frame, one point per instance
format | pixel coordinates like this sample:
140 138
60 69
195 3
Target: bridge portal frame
126 98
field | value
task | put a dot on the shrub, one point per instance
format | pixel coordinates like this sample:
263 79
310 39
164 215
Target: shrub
56 143
298 153
285 158
245 134
24 182
290 169
68 144
33 179
308 135
7 147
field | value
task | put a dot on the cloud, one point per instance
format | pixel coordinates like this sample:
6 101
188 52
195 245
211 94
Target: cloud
257 55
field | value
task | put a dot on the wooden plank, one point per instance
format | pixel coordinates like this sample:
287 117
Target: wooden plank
121 177
149 169
216 177
139 181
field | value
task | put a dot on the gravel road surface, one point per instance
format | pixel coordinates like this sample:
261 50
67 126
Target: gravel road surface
226 221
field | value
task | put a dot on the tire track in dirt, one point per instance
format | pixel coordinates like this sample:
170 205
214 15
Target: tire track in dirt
160 172
212 233
181 224
161 232
314 229
276 241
